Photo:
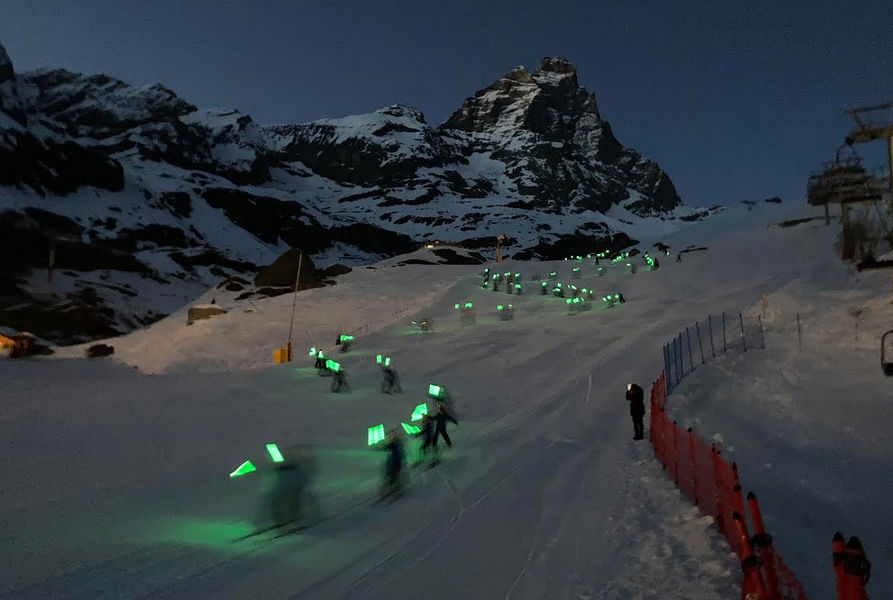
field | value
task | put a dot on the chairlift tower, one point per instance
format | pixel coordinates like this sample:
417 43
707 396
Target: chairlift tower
874 123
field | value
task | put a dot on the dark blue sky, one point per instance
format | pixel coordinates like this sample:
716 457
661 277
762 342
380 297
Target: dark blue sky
734 100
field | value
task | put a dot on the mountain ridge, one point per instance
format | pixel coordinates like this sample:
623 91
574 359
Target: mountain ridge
196 195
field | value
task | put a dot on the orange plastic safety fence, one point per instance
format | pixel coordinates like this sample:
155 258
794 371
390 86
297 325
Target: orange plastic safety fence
709 482
788 586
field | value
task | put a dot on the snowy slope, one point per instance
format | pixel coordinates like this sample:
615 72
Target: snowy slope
543 495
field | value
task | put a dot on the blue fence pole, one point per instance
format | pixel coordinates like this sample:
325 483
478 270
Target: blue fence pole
681 361
710 324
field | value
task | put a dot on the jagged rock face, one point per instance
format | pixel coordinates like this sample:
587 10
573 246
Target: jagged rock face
160 199
561 154
388 146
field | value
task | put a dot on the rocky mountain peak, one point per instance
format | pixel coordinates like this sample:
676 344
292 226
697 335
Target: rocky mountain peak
556 70
6 70
403 111
519 74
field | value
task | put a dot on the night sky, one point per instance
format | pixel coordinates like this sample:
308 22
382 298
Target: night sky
735 100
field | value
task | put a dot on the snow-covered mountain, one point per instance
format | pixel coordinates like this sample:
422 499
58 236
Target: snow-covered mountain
151 200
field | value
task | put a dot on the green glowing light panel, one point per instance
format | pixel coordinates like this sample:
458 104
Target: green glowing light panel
420 411
435 391
378 359
331 365
312 352
410 429
245 468
274 453
376 434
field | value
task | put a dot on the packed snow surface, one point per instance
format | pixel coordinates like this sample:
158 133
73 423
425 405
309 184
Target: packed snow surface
116 470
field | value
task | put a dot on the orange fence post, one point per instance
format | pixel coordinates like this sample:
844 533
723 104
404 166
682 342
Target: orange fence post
752 587
694 470
856 570
837 556
763 543
717 484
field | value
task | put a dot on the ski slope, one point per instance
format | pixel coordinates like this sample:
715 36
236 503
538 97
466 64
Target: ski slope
116 471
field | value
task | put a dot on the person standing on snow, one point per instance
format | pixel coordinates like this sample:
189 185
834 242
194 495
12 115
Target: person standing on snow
635 395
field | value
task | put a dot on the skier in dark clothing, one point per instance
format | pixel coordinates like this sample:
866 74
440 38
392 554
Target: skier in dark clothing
635 395
393 466
427 434
289 500
440 420
390 382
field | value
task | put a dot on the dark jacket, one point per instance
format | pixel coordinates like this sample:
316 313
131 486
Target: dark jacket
441 419
427 429
396 456
636 398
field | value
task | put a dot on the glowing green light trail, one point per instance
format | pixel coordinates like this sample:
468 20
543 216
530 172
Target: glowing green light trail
275 455
245 468
375 434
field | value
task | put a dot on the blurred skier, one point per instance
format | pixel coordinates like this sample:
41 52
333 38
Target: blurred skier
320 362
339 381
635 395
440 420
393 466
427 435
288 502
391 382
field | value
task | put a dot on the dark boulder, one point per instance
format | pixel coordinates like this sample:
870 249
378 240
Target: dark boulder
100 350
284 269
179 203
335 270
